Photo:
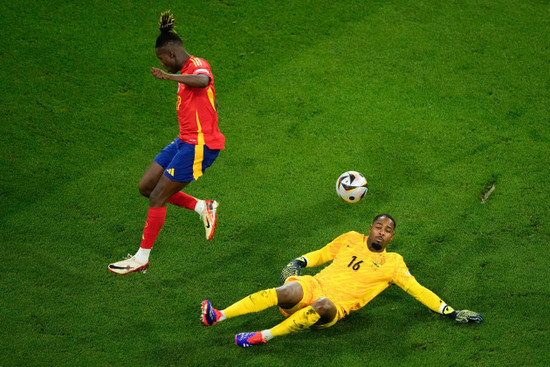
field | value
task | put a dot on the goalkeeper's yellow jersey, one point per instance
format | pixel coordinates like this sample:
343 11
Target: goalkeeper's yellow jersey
357 275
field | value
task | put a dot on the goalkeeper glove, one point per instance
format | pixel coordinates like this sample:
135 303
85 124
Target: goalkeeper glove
462 316
293 268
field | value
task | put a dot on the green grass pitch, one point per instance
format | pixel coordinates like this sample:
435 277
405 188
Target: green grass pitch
434 102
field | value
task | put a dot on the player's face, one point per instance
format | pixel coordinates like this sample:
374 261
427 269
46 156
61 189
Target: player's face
381 233
167 59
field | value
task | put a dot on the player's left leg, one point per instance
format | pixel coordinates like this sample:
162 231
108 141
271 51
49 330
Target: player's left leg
254 302
158 198
286 296
154 172
150 179
176 156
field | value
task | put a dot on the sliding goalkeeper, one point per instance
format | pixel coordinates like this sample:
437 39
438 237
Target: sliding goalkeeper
360 270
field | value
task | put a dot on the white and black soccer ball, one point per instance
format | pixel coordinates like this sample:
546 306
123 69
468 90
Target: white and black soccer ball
351 186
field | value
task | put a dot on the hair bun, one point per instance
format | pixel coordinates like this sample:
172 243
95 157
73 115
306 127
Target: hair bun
166 23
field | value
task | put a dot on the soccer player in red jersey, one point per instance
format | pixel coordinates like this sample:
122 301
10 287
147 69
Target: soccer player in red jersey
360 269
185 159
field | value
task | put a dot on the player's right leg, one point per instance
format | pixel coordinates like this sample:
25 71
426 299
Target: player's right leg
295 299
321 313
187 165
302 319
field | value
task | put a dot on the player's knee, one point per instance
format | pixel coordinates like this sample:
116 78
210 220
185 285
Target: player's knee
156 199
325 308
289 294
145 189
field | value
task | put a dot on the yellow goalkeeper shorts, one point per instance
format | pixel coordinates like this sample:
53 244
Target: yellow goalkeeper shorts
312 292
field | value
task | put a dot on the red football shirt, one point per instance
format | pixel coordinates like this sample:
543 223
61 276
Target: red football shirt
197 114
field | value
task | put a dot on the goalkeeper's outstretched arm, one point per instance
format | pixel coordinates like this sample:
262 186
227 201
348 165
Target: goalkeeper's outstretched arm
436 304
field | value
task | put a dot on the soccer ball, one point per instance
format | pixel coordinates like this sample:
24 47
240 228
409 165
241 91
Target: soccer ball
351 186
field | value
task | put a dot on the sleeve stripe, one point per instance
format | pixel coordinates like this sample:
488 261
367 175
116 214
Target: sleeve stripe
202 71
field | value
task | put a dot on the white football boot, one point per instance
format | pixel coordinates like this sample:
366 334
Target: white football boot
209 218
130 265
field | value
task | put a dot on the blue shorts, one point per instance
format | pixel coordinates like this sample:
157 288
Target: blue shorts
184 162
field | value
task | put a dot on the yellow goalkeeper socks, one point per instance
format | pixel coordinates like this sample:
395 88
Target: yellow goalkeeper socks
255 302
300 320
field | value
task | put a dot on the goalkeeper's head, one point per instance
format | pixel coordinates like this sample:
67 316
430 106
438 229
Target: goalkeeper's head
381 232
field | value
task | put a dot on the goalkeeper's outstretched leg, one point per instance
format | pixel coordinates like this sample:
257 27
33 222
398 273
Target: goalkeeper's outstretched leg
286 296
290 297
322 312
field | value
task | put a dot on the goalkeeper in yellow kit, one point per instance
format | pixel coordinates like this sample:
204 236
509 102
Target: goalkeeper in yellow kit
360 270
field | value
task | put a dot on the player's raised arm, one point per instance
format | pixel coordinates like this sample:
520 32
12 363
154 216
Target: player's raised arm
192 80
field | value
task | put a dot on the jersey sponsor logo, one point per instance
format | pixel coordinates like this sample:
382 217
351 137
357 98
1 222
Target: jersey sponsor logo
170 171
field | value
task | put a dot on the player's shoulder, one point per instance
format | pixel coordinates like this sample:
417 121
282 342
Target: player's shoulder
199 62
395 256
351 236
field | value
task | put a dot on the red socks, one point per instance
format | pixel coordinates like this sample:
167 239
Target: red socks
182 199
155 221
156 216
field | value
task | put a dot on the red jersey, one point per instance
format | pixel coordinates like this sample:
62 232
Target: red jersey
197 116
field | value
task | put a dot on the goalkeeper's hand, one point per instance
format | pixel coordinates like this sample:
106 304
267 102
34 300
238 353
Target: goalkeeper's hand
293 268
462 316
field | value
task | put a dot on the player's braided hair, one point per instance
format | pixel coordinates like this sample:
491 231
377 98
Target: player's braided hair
167 32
